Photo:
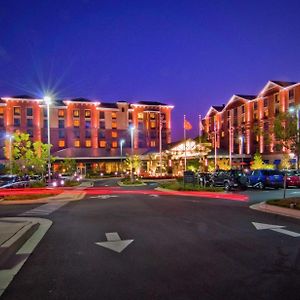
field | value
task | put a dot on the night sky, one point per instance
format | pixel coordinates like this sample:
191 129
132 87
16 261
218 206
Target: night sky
192 54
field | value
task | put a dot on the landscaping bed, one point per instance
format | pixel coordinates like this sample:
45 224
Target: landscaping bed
287 203
179 186
127 181
23 197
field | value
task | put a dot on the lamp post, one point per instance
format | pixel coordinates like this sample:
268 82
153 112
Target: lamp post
47 100
160 144
122 141
10 137
242 149
292 110
131 161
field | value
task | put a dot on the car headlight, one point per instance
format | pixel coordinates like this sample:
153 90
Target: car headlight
54 183
62 182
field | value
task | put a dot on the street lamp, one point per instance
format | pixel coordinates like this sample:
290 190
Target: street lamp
47 100
131 164
292 110
242 149
10 137
122 141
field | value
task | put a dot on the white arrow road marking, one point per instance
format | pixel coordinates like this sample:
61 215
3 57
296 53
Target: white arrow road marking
277 228
153 195
105 196
114 242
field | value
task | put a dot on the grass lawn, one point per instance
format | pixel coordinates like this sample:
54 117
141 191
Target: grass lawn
178 186
286 203
127 181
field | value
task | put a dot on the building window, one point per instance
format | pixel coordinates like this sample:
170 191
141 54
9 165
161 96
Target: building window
29 111
102 144
113 115
29 122
123 109
291 94
114 144
153 124
243 109
61 123
1 111
45 113
76 113
76 143
266 113
17 111
152 144
255 105
76 123
140 116
276 98
45 123
77 133
61 143
1 122
114 134
61 113
87 113
17 122
130 115
266 102
114 125
223 134
88 134
101 134
102 125
88 143
30 132
87 124
101 115
61 134
152 115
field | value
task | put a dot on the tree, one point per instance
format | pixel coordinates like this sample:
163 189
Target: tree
285 162
68 166
258 163
135 162
223 164
28 157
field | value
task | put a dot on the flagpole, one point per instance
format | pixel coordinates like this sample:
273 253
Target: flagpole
184 136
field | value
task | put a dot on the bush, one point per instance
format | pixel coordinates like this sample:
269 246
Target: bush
179 186
128 181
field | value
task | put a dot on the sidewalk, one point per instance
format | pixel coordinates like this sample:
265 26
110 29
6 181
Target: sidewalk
73 194
273 209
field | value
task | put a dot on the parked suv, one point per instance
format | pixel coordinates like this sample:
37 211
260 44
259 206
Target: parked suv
292 177
266 178
230 179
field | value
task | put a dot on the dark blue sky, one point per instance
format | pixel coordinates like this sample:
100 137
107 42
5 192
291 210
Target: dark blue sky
192 54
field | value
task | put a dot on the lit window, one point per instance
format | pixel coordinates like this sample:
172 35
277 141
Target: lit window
152 124
87 113
152 115
61 113
17 111
61 143
114 144
88 143
102 144
76 113
113 124
1 111
29 111
152 144
223 134
77 143
140 116
113 115
76 123
114 134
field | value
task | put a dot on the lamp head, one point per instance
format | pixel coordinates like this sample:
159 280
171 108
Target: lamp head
122 141
47 99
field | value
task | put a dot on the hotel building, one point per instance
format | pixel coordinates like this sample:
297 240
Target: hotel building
87 130
244 125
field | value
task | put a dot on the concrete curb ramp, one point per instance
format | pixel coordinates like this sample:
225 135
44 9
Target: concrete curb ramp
18 236
272 209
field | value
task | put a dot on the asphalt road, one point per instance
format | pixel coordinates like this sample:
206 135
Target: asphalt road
183 248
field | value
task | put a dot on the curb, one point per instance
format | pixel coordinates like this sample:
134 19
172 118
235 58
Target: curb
272 209
130 185
12 245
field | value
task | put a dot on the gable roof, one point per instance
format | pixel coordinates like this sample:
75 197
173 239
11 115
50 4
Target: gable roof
150 103
247 97
283 83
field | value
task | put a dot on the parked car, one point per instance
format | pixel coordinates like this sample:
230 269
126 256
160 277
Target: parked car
233 179
266 178
292 178
55 181
12 181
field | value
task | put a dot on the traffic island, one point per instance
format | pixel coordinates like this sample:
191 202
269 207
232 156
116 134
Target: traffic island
129 183
285 207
